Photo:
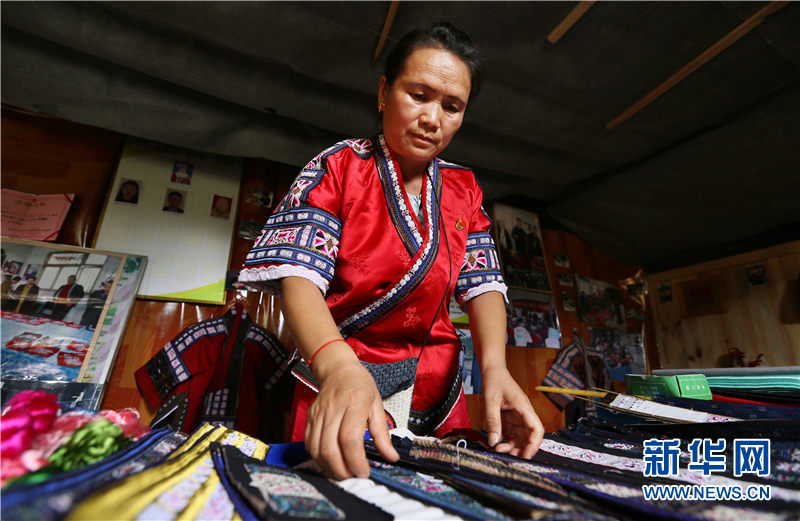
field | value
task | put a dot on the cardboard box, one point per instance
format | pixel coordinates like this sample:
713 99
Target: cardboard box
685 385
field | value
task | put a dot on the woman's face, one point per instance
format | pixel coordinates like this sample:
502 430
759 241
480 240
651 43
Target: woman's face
129 191
424 105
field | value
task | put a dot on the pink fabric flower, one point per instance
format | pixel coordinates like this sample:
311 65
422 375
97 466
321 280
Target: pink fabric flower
27 413
128 420
61 429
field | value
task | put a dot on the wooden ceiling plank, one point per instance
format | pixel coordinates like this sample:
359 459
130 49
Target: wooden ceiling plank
566 24
387 25
703 58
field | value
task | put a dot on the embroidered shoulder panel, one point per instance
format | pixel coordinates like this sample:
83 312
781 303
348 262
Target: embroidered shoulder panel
480 266
167 368
311 174
304 236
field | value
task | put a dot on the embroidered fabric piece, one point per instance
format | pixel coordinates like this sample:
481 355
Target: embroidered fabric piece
282 493
50 500
431 490
744 411
480 266
401 507
393 377
637 466
181 484
573 368
218 507
228 369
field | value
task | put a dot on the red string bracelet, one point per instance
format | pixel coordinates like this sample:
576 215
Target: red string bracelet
311 360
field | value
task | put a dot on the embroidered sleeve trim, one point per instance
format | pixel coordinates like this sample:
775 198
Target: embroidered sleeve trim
304 236
268 278
471 293
481 267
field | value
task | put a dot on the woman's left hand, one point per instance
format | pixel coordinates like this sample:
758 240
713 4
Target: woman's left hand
512 424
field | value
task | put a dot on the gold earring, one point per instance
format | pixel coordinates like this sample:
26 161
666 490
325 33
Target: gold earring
382 106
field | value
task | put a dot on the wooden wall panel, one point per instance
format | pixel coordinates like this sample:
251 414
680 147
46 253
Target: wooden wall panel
44 155
528 366
759 319
585 260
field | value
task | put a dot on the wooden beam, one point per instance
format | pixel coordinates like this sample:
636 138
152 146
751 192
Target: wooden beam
704 57
387 25
566 24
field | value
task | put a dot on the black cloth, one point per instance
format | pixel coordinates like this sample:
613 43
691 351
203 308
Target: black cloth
278 493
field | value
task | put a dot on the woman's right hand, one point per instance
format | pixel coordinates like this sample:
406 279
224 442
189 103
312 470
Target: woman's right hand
348 403
348 399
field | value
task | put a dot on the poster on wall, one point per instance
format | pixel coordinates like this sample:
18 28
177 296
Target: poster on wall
622 353
63 320
176 207
600 303
531 320
519 242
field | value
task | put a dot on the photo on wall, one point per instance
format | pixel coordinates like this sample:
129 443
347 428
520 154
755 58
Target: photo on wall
531 320
622 353
519 243
600 303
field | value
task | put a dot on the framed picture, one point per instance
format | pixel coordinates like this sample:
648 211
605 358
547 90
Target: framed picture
622 353
757 275
519 243
180 220
600 304
63 323
702 296
531 319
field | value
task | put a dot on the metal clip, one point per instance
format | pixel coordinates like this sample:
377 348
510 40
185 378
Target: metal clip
460 444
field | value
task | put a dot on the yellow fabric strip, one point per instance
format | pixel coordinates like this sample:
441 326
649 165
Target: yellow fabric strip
127 498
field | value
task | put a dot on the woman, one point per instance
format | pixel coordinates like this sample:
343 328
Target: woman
128 192
366 249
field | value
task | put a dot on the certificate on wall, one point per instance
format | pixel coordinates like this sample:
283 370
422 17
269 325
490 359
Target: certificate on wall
178 208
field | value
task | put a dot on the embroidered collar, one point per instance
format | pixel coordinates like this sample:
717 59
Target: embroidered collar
397 200
422 249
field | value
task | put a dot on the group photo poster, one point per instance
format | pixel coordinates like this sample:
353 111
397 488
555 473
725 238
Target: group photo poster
64 311
519 243
178 208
